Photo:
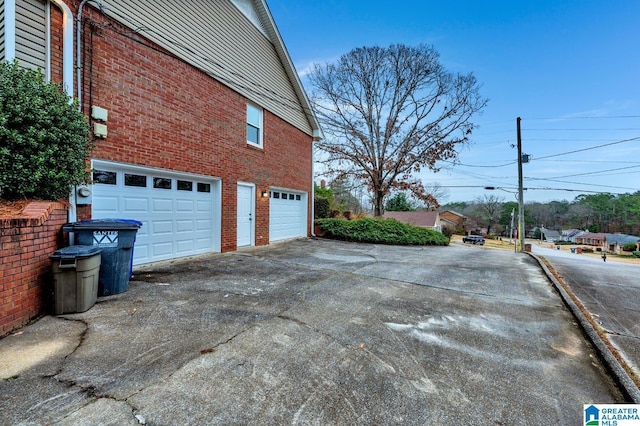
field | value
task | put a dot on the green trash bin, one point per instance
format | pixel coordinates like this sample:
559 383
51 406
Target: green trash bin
116 238
75 278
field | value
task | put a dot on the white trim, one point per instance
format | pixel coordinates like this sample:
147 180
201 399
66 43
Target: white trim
9 30
260 124
252 230
47 40
67 47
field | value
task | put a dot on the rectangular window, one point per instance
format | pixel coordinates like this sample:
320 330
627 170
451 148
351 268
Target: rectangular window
254 125
297 197
291 197
135 180
204 187
185 185
161 183
276 194
104 177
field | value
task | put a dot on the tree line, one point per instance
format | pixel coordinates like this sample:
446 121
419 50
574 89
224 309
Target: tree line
607 213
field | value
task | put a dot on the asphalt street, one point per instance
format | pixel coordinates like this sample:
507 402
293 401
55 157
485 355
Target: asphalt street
610 292
313 332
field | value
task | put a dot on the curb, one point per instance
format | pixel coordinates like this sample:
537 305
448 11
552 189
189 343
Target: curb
624 381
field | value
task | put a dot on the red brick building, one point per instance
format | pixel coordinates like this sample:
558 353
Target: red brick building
203 131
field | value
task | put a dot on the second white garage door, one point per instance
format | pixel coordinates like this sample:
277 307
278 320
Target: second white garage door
180 213
287 215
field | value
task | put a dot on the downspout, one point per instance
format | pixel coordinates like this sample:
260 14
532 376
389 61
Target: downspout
313 190
67 77
317 136
9 30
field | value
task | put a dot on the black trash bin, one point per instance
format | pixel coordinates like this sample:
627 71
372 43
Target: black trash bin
116 238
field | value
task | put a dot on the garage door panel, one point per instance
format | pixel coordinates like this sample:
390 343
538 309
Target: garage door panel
203 206
185 205
159 227
287 215
184 226
176 221
136 204
203 243
203 224
161 249
110 204
162 205
185 246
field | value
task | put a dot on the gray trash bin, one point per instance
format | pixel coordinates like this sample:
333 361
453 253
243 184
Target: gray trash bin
116 238
75 278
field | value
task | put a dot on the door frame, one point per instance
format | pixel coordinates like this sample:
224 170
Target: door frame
252 213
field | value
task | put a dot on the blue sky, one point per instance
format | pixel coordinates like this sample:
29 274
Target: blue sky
569 69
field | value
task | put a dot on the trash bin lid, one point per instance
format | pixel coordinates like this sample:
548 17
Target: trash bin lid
98 224
75 252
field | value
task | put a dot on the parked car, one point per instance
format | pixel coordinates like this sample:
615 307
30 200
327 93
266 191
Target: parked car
473 239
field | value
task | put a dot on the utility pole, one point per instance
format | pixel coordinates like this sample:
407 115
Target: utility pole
520 190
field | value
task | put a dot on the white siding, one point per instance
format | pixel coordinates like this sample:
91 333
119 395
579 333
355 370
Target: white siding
218 38
31 34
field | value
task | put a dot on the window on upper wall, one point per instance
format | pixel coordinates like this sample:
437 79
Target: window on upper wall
254 125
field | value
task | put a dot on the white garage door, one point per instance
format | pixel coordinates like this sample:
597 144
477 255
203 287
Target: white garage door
180 213
287 215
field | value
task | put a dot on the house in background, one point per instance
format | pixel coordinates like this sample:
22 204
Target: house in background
424 219
454 221
571 234
203 131
615 242
591 239
611 243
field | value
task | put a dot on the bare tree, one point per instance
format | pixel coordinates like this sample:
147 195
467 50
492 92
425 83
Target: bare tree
489 208
437 193
388 112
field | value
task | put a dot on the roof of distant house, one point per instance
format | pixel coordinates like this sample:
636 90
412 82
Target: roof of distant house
622 239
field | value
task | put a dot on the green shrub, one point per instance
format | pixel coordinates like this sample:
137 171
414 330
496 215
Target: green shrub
380 231
636 253
44 139
322 207
629 247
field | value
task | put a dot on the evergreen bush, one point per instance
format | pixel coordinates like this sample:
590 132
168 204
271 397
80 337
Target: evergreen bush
44 139
380 231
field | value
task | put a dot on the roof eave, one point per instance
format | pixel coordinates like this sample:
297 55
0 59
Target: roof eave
270 26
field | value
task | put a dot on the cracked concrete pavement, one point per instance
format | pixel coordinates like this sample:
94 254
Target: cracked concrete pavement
312 332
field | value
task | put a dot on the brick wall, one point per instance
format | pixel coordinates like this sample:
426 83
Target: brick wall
26 242
165 113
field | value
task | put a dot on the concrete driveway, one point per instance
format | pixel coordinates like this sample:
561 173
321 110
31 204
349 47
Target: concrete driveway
312 332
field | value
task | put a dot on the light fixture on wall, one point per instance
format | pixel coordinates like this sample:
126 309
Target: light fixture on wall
265 194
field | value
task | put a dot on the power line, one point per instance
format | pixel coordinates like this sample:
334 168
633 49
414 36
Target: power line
585 117
588 149
581 183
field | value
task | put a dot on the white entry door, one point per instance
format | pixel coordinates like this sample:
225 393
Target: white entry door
246 212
